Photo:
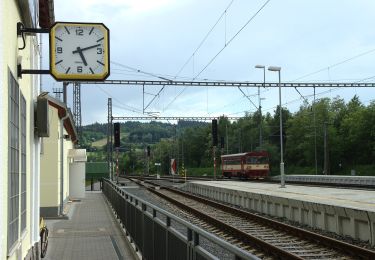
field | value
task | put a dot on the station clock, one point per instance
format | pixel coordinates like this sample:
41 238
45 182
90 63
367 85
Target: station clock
79 51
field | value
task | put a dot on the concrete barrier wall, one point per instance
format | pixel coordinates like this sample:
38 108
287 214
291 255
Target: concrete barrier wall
366 181
357 224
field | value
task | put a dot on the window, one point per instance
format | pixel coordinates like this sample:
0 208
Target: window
23 163
17 163
13 153
257 160
232 162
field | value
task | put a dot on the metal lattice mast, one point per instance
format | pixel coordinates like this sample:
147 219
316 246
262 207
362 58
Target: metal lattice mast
58 92
109 137
77 108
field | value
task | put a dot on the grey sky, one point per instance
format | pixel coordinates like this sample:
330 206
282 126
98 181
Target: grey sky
158 36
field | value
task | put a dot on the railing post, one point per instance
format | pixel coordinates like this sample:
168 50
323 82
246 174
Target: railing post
92 183
190 251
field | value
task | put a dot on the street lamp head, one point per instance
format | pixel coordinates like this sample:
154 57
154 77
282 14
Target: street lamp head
259 66
274 68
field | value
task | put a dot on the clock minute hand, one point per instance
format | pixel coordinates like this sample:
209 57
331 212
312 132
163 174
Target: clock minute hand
90 47
79 51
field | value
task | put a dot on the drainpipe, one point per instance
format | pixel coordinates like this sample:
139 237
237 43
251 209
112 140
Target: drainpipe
62 162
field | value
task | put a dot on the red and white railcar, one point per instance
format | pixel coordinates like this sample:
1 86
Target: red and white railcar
251 165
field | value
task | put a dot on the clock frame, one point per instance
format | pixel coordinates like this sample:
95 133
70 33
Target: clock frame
89 76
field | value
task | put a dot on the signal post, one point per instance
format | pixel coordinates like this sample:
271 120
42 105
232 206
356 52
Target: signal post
214 143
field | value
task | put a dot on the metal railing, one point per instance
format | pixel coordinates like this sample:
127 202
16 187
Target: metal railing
158 234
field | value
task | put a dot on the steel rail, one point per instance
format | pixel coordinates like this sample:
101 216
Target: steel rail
346 247
349 249
254 241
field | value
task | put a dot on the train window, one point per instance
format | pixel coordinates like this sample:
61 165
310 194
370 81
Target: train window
257 160
236 162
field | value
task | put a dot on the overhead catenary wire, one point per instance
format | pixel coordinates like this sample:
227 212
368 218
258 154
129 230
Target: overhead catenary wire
123 106
334 65
196 50
140 71
330 67
308 96
220 51
248 98
204 39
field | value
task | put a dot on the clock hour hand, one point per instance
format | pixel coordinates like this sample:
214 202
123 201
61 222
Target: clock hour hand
79 51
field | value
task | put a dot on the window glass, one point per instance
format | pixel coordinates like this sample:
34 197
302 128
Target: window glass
257 160
13 151
23 163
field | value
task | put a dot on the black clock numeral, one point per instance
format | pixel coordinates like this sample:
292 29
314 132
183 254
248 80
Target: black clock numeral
79 69
79 31
99 50
59 50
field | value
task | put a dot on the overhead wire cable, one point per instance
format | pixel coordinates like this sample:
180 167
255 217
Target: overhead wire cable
126 107
140 71
234 36
204 39
308 96
328 69
225 46
335 64
198 47
247 97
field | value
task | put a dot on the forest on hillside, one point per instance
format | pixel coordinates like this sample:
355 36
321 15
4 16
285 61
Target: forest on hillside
346 131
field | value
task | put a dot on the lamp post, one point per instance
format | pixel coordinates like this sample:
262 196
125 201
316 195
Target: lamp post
282 174
260 107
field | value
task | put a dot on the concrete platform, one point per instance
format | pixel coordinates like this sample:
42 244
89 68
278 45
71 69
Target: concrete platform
91 232
346 212
364 181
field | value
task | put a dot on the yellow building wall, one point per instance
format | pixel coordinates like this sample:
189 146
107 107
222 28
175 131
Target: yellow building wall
49 163
9 16
67 146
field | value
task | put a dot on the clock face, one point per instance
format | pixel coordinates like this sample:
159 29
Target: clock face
79 51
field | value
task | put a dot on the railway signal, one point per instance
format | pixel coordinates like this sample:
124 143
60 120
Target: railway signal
116 127
214 132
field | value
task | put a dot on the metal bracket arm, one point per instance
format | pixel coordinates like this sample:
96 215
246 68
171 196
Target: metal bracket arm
20 71
22 30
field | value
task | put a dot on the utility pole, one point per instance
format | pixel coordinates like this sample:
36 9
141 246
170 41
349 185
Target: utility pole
65 98
109 138
226 132
316 152
260 109
260 106
326 150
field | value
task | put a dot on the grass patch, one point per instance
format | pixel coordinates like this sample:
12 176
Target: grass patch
208 171
99 143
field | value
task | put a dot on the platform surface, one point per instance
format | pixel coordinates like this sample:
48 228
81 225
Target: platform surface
91 232
347 198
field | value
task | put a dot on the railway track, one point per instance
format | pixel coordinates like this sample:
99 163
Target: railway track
311 183
260 236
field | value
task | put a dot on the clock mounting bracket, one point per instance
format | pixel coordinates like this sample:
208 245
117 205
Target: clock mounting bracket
22 31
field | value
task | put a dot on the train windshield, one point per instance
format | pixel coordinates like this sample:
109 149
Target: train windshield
257 160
